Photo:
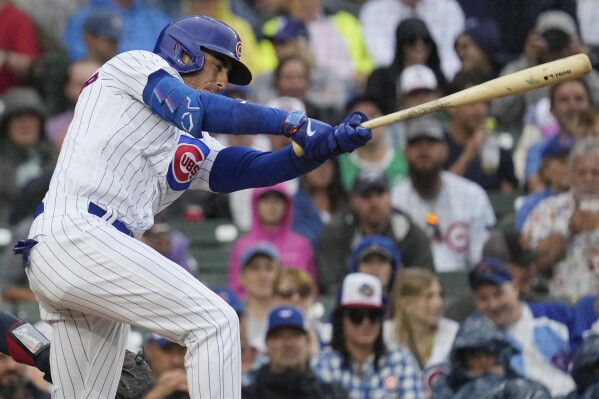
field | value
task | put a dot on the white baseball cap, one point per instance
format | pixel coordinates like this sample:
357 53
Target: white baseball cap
361 290
417 77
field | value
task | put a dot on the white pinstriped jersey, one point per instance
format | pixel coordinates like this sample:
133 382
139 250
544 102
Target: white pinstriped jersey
127 159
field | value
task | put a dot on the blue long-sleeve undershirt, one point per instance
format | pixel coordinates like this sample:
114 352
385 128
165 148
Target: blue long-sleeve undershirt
196 111
237 168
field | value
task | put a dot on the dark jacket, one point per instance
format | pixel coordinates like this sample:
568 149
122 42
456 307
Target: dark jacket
41 157
584 364
342 233
290 385
383 82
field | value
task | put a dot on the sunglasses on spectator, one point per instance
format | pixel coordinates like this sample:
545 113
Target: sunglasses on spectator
357 315
302 292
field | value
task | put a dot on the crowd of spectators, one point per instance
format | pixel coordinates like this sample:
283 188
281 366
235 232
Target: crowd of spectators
372 233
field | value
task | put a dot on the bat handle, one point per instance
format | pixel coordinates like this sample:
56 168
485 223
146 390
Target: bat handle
299 151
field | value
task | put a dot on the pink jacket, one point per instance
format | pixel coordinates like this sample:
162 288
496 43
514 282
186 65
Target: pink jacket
294 248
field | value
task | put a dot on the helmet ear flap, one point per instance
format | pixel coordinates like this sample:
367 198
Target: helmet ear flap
197 59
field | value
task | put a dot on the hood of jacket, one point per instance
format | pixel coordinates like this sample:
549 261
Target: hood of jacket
256 229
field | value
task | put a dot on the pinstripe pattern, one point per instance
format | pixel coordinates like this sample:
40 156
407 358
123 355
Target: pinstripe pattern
93 281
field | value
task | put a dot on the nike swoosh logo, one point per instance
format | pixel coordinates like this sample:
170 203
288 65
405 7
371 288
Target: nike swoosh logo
310 131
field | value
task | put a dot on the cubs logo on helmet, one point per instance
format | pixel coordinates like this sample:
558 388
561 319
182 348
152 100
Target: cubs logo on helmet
188 158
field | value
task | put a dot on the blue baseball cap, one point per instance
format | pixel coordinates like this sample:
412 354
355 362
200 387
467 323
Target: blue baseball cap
261 248
105 24
289 28
285 316
557 146
156 339
490 270
375 244
231 298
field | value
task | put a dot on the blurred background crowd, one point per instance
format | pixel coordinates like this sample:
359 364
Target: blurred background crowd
454 256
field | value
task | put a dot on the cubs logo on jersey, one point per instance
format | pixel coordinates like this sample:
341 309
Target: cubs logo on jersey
187 160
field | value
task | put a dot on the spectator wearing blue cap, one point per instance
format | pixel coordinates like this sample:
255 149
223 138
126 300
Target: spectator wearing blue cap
377 255
553 173
166 361
539 331
102 32
287 374
295 287
260 265
141 25
358 358
564 229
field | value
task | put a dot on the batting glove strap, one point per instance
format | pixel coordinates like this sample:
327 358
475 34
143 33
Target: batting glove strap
315 137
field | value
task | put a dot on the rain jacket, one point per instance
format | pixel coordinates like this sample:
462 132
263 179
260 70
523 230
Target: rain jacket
585 359
295 249
478 332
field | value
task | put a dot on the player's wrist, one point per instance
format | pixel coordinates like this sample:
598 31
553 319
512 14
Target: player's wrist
293 122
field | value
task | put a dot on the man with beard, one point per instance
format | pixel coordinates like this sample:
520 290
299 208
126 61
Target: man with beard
14 383
370 212
454 212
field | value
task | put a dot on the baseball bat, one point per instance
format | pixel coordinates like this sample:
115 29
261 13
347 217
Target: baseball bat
522 81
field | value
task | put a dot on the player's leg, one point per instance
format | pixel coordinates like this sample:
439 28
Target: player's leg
86 356
103 273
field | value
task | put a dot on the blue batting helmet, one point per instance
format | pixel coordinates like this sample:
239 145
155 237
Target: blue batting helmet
193 34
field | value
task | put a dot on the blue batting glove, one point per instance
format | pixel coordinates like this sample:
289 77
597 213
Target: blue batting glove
315 137
349 135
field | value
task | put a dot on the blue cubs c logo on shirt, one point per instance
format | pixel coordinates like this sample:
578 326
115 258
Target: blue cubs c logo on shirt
188 158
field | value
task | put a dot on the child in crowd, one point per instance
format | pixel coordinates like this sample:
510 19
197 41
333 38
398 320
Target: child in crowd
259 267
271 222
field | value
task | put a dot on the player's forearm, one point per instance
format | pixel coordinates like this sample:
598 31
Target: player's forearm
237 168
194 111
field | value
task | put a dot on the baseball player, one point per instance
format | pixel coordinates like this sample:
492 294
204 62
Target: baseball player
138 140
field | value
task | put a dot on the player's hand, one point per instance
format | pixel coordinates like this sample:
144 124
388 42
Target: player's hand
349 135
316 138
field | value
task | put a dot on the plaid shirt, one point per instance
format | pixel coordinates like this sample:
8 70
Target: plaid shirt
398 375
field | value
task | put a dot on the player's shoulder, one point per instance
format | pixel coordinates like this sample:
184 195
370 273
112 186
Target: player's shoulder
140 60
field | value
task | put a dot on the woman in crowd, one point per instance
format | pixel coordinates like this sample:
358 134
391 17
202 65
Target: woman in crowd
416 321
414 45
479 47
295 287
320 196
358 358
